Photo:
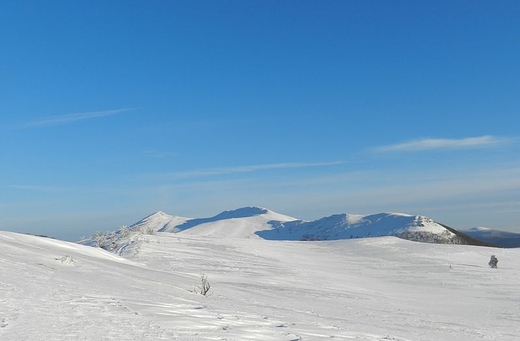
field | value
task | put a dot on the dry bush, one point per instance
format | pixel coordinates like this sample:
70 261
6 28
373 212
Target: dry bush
204 286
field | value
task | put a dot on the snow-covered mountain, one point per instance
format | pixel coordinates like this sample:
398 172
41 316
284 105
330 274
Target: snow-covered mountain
159 222
347 226
242 223
496 237
256 222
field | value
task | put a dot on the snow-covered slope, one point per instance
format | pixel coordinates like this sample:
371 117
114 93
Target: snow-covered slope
496 237
239 223
371 289
56 290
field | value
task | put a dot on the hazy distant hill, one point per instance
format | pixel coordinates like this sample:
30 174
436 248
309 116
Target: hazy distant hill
496 237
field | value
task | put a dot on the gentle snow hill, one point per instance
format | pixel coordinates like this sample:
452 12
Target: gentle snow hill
240 223
52 290
496 237
370 289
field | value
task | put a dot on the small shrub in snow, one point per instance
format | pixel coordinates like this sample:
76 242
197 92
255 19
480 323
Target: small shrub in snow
105 240
113 241
493 262
204 286
66 260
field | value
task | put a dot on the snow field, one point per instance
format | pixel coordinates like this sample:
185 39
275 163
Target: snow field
364 289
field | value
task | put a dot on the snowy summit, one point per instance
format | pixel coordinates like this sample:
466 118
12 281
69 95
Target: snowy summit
256 222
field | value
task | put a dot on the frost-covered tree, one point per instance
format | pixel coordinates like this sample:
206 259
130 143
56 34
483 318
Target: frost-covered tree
100 239
493 262
124 231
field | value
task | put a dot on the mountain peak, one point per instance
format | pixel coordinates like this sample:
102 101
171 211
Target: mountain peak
243 212
158 221
158 214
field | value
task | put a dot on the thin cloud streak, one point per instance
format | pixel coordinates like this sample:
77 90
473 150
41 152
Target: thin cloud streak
65 119
443 144
158 154
34 188
246 169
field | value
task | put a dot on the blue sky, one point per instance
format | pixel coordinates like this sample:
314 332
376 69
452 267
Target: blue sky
113 110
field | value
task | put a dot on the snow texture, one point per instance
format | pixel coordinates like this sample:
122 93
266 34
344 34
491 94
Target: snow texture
357 289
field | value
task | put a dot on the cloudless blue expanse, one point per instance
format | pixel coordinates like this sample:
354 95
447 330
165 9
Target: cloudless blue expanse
112 110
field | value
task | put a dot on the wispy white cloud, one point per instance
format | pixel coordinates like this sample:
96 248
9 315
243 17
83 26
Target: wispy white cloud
64 119
245 169
446 144
157 154
37 188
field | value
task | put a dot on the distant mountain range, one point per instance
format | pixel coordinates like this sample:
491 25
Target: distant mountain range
257 222
495 237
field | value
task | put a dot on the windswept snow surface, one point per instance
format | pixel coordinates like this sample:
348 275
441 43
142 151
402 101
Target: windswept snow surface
361 289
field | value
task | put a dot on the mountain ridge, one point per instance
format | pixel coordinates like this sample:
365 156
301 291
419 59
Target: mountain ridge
347 226
500 238
258 222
